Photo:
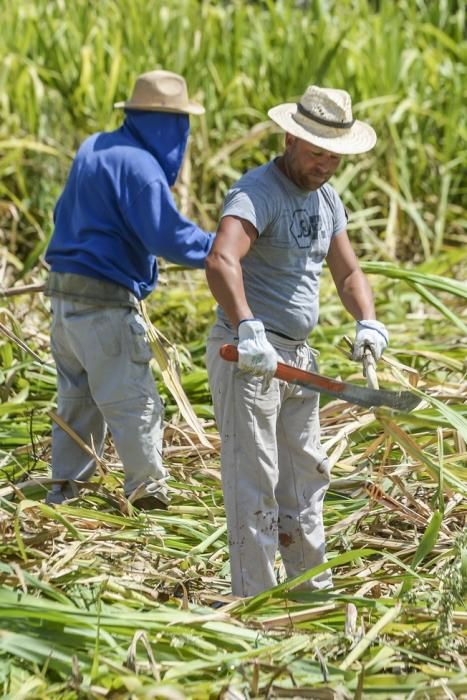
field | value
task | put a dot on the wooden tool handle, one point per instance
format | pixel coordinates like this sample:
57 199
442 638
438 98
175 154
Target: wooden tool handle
284 372
369 365
229 353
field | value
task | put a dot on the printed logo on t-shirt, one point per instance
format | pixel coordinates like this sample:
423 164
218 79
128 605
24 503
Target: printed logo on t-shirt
305 227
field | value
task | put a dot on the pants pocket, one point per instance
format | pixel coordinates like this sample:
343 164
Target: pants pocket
140 349
107 335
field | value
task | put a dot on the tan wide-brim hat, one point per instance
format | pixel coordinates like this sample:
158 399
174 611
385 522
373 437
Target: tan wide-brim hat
161 91
323 117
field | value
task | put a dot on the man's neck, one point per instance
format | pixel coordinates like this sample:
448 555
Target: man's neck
282 165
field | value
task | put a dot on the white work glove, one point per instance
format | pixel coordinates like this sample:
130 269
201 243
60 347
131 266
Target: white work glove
372 334
255 353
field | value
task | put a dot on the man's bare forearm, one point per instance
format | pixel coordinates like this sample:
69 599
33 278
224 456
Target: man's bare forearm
356 296
225 280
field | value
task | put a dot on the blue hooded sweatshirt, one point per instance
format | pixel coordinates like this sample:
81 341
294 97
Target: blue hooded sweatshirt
116 212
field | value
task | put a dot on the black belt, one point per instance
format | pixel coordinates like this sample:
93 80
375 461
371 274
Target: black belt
282 335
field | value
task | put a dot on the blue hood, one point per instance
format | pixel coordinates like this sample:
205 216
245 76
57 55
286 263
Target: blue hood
163 134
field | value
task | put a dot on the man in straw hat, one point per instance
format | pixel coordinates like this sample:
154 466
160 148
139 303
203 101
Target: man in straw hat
115 215
279 223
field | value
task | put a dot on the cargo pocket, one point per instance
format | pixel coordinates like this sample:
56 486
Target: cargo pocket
107 334
140 349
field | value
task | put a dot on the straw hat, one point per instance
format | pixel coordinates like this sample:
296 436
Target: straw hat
323 117
161 91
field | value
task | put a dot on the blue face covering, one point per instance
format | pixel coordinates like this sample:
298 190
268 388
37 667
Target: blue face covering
164 134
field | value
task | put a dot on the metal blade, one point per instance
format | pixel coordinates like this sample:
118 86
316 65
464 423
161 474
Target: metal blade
353 393
403 401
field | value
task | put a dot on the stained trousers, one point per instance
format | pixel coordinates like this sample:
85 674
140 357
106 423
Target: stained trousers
104 380
274 471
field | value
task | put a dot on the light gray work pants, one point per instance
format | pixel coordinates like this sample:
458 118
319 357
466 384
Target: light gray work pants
274 471
104 379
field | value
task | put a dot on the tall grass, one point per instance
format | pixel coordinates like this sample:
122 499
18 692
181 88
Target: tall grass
63 67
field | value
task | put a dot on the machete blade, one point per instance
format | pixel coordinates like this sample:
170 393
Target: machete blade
403 401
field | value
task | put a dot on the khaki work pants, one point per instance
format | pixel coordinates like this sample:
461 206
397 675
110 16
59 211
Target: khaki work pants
274 471
104 380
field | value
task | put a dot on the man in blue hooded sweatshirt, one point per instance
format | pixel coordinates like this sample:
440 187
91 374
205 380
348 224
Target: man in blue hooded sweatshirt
115 216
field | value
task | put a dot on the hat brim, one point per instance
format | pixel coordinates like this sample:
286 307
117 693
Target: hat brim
191 108
360 138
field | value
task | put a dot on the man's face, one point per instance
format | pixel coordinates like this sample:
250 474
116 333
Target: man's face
306 165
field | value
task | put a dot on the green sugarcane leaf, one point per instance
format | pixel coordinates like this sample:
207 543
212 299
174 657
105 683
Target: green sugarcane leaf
426 545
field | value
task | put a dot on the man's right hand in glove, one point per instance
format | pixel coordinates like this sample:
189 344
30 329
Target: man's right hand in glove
255 353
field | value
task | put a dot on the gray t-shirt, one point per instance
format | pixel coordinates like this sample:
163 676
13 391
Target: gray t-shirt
281 271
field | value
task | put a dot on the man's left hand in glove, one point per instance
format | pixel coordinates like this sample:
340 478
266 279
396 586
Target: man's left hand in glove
370 333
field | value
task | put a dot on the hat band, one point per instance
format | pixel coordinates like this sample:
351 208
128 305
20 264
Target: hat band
326 122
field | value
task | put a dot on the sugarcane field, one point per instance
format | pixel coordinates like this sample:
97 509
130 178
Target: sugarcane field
233 333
